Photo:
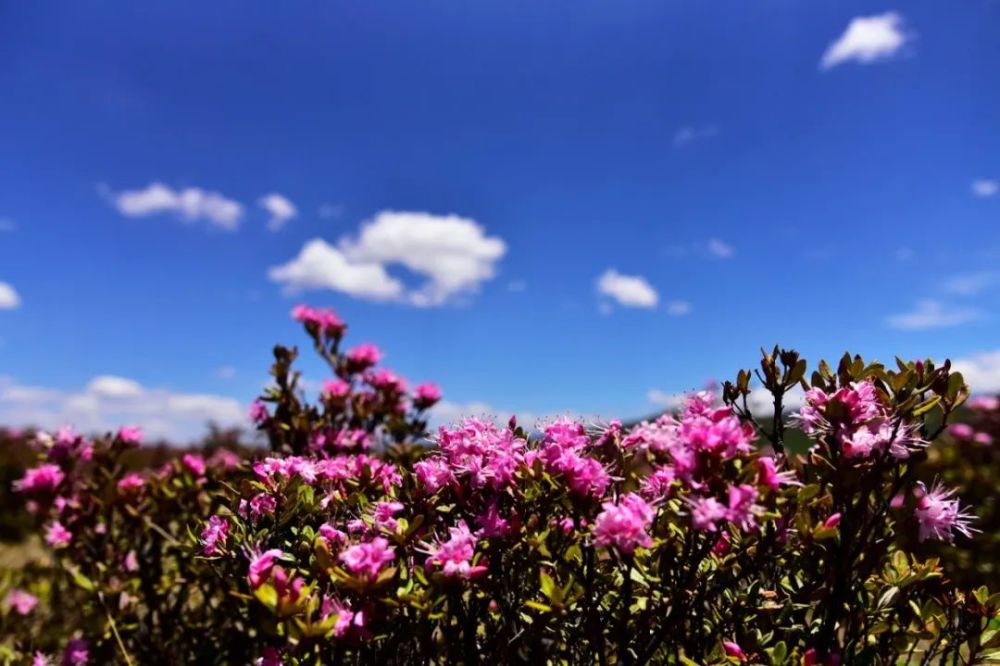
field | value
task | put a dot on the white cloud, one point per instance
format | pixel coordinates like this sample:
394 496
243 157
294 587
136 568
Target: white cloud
689 134
107 402
448 413
452 253
190 204
867 39
760 400
9 298
719 249
678 308
971 284
280 208
933 314
631 291
225 372
981 371
985 187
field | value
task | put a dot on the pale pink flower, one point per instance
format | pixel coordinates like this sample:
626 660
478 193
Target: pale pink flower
984 403
22 602
131 435
57 536
214 536
367 558
131 483
624 525
40 659
983 438
939 515
194 463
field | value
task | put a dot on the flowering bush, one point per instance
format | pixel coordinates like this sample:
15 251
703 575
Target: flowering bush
692 538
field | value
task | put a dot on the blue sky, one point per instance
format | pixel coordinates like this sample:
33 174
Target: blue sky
823 175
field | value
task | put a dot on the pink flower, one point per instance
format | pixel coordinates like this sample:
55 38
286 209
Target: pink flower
742 510
768 475
490 523
984 438
332 535
734 650
984 403
386 380
706 512
657 484
960 430
22 602
384 512
346 618
426 395
42 479
57 536
363 356
262 504
213 537
324 321
194 463
454 556
368 558
433 474
624 525
832 521
939 516
131 435
40 659
77 653
261 566
130 484
258 412
335 388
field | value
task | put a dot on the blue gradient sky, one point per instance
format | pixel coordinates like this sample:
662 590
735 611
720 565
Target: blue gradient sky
837 197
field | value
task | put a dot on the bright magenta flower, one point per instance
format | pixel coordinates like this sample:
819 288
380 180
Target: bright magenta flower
131 483
734 650
42 479
261 566
367 558
426 395
325 321
213 537
624 525
363 356
57 536
194 463
22 602
454 556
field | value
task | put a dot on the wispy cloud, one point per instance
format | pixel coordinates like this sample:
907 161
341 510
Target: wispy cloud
690 134
985 187
452 253
930 313
678 308
981 371
7 225
630 291
971 284
191 204
867 39
9 298
329 210
719 249
108 401
280 209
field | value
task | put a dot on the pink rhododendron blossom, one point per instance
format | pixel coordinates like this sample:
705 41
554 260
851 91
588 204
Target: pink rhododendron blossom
984 438
742 509
335 388
363 356
22 602
77 653
961 430
332 535
386 380
384 515
325 321
984 403
213 537
346 618
262 504
131 483
624 525
734 650
57 536
832 522
194 463
426 395
40 480
940 516
258 412
131 435
367 558
491 524
40 659
454 556
657 485
706 512
261 566
768 474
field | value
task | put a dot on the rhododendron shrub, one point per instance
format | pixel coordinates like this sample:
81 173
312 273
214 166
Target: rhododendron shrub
698 537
